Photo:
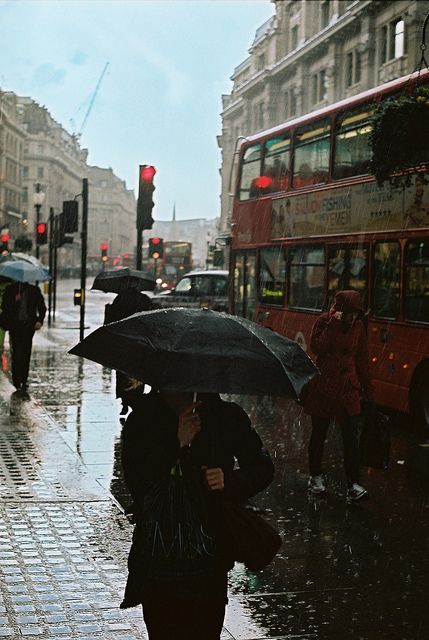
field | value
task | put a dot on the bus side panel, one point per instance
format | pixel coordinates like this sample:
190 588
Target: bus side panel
252 220
292 324
395 352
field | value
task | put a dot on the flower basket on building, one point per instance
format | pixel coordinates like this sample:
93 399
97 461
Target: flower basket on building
399 138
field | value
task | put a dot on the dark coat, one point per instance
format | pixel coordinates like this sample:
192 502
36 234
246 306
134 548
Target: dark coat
35 308
151 447
343 361
125 304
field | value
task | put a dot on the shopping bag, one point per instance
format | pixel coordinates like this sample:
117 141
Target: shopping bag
375 440
177 540
244 536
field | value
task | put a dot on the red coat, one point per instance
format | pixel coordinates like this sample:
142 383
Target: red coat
343 362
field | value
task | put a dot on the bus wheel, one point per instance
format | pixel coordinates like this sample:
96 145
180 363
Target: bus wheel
420 402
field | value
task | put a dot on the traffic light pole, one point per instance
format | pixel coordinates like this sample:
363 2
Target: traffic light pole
51 262
139 251
84 237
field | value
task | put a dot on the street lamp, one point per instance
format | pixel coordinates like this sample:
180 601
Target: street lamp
38 198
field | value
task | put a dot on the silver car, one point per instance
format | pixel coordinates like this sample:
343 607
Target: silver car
197 289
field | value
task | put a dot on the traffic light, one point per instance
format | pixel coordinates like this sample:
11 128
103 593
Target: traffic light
64 227
156 248
145 203
4 242
103 248
78 297
70 216
41 233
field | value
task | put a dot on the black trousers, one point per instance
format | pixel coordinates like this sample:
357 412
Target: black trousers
21 339
168 617
350 431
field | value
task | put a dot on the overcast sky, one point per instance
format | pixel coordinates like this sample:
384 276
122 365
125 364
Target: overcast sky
160 100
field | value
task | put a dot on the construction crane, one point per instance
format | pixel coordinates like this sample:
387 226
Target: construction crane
78 134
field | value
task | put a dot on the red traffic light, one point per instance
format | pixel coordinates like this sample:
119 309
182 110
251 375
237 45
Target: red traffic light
5 237
156 240
147 172
103 246
41 227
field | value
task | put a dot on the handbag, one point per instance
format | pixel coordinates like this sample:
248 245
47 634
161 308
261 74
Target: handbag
374 445
176 537
244 536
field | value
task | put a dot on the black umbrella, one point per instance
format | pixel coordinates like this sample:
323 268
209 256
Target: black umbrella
116 280
200 350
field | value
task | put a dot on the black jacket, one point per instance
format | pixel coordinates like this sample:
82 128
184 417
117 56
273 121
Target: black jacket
150 449
150 446
25 312
125 304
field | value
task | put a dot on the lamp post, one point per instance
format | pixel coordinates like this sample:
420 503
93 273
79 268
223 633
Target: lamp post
38 198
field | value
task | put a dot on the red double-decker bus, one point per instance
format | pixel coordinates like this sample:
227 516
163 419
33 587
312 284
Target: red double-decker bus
308 220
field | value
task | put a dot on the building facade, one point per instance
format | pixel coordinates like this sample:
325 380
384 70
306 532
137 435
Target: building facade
38 154
53 162
111 215
12 139
312 53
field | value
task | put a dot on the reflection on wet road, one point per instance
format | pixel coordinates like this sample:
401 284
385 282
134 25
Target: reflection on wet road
343 572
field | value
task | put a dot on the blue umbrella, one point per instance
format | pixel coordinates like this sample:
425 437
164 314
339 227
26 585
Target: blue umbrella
23 271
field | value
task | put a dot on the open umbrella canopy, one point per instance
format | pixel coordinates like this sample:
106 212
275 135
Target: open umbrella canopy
115 280
15 256
200 350
23 271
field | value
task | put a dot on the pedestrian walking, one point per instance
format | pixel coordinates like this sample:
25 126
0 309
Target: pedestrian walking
3 284
129 300
340 343
23 312
168 433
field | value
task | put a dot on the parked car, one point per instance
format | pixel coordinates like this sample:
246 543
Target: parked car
197 289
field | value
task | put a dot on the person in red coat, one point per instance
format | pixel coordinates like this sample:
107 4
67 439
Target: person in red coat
339 340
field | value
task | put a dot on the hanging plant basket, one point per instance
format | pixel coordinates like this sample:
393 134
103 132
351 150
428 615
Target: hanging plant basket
400 137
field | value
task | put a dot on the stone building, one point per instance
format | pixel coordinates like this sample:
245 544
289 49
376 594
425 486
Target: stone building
36 152
309 54
111 214
12 137
54 160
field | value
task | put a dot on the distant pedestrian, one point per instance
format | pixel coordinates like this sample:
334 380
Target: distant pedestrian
213 447
340 343
23 312
3 284
129 300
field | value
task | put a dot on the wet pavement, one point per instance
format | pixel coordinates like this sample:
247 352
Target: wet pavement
359 572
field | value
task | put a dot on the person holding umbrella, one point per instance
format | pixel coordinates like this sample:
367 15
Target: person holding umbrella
188 444
203 438
339 340
129 300
23 311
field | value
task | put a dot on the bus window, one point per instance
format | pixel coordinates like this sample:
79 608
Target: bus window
417 281
352 150
276 162
385 280
272 276
347 269
307 277
250 172
311 163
